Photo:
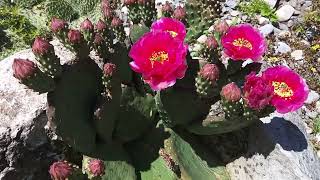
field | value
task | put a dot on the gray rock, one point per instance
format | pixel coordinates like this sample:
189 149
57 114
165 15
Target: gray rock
266 29
283 26
285 13
297 54
234 13
290 23
231 3
202 39
318 106
272 3
262 20
282 48
277 149
312 97
25 152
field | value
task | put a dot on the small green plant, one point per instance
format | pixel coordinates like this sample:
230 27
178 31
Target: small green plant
258 7
316 125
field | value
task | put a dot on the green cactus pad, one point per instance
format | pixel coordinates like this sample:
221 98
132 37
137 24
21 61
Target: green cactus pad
137 31
39 82
121 59
195 160
71 104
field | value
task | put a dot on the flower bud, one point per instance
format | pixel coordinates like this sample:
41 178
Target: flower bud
142 2
23 68
106 9
109 69
129 2
210 72
60 170
98 39
57 25
179 13
167 7
231 92
41 46
211 43
116 22
96 167
86 25
101 26
222 27
74 36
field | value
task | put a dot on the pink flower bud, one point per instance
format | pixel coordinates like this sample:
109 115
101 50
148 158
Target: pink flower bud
86 25
58 25
41 46
231 92
96 167
142 2
23 68
210 72
98 39
101 26
106 9
60 170
74 36
116 22
129 2
222 27
166 7
179 13
109 69
211 43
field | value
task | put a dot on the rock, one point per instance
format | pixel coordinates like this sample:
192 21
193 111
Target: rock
285 13
297 54
25 152
277 149
282 48
284 35
231 3
312 97
272 3
234 13
202 39
290 23
266 29
318 106
263 20
283 26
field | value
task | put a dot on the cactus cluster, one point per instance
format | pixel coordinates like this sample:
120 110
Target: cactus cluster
105 110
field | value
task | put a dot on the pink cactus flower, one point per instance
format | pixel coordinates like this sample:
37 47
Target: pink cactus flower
257 92
57 25
96 167
176 28
290 90
23 68
231 92
74 36
60 170
159 63
244 42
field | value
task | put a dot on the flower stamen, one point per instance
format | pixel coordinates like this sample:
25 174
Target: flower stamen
282 89
241 42
159 56
173 33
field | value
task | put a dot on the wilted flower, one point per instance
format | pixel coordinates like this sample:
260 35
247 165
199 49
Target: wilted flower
210 72
257 92
96 167
176 28
109 69
57 25
74 36
60 170
86 25
290 90
160 63
243 42
231 92
23 68
179 13
41 46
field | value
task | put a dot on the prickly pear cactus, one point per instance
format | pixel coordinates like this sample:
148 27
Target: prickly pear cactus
139 110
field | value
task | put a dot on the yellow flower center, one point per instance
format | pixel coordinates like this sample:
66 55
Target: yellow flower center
282 89
173 33
159 56
241 42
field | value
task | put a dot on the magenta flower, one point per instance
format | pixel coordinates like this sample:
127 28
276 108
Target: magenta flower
243 42
160 63
290 90
176 28
257 92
